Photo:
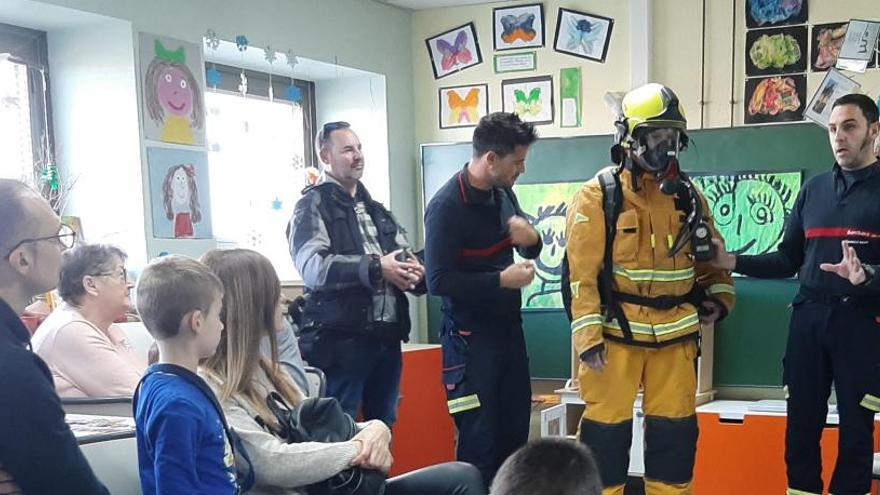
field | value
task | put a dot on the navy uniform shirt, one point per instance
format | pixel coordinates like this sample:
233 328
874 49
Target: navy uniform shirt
830 208
467 245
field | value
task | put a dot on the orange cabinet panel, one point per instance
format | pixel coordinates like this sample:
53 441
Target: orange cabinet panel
743 452
424 434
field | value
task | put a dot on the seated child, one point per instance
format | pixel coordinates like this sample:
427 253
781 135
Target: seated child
183 443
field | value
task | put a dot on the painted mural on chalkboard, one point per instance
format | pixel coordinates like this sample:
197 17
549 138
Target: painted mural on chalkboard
750 209
546 206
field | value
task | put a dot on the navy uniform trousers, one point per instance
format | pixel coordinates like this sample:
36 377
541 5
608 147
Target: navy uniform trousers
488 389
832 341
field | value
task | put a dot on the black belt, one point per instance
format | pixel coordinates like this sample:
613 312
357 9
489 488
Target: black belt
830 299
659 302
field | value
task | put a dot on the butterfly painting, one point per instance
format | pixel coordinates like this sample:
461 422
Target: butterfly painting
463 106
531 98
527 105
456 53
519 27
583 35
454 50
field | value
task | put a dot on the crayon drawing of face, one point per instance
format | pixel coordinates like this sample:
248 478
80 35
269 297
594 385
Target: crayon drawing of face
175 93
749 210
180 192
180 186
550 224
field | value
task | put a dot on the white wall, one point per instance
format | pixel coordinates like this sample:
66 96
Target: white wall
95 113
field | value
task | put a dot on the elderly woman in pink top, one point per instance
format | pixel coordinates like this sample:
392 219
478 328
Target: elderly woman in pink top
90 356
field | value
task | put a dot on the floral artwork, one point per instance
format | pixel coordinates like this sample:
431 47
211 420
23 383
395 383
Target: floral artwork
776 51
766 13
775 99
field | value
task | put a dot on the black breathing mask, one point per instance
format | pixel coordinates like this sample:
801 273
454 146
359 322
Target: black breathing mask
662 160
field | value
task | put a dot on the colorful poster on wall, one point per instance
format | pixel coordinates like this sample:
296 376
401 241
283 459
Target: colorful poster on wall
570 96
546 206
775 99
750 208
172 88
180 197
776 51
766 13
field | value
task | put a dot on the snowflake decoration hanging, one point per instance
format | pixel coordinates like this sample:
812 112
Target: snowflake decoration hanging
241 42
291 59
211 40
269 55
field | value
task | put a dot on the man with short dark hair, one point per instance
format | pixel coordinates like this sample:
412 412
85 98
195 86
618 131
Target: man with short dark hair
555 466
834 333
471 226
38 452
355 261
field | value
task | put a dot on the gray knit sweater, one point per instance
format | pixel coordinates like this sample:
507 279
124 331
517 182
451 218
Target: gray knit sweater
281 468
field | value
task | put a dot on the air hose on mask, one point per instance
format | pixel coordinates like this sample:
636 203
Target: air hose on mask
695 230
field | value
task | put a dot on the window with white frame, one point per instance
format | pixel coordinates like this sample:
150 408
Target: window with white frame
25 130
259 147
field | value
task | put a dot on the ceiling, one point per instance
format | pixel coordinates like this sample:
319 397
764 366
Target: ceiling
434 4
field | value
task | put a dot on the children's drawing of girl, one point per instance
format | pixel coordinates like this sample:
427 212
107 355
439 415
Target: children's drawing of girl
181 199
172 96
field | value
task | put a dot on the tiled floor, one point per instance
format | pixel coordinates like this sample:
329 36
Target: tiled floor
541 387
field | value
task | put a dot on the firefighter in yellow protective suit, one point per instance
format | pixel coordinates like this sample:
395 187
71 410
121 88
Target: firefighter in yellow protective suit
636 236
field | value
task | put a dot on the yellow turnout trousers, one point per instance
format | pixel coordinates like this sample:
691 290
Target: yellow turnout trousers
668 377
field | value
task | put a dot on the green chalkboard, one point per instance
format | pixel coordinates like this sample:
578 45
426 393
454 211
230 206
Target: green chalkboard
750 343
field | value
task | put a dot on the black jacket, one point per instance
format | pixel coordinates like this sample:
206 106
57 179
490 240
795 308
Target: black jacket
830 208
36 446
328 250
467 246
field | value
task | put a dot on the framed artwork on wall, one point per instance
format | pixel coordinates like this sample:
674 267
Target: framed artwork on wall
463 106
454 50
516 27
835 85
583 35
531 98
173 90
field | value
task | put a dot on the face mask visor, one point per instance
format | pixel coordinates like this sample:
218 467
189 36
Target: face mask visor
658 148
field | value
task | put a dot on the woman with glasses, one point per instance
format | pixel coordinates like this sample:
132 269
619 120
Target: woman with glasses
88 355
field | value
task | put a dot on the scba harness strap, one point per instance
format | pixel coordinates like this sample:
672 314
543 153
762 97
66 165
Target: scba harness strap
612 202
